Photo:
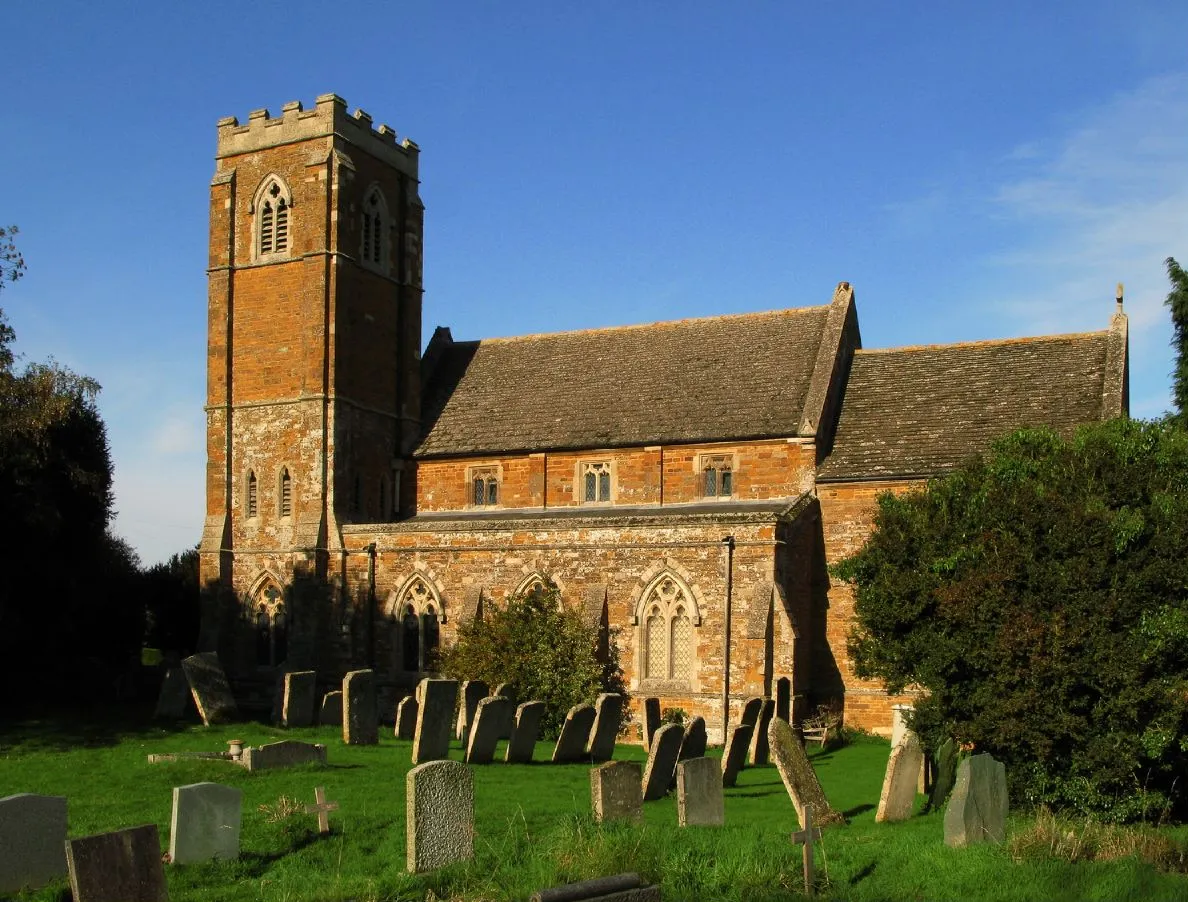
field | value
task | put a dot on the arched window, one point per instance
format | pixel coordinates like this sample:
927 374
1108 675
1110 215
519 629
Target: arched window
430 638
418 632
286 493
374 230
668 651
271 625
411 641
272 219
253 507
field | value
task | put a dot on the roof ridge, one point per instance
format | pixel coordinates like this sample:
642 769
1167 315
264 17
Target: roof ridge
986 342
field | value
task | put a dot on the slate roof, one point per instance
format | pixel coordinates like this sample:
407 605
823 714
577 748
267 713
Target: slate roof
718 378
920 411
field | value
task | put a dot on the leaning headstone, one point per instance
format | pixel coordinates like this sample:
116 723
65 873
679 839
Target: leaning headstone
898 797
798 775
616 791
360 725
735 755
490 716
571 744
699 793
783 699
750 712
506 690
173 698
608 712
694 740
978 808
759 745
123 866
406 718
899 725
287 753
651 720
944 774
431 740
473 692
205 825
330 714
662 759
301 692
32 833
209 686
523 738
439 816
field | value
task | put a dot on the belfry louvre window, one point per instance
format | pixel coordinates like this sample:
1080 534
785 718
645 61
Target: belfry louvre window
596 482
375 215
717 477
272 221
286 493
485 487
253 507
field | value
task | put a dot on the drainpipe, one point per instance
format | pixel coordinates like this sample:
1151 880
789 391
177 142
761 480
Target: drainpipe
371 605
728 541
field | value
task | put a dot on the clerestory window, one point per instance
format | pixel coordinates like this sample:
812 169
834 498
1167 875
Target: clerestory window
484 486
595 482
717 476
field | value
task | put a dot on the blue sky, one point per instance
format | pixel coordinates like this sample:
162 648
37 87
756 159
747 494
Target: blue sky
975 171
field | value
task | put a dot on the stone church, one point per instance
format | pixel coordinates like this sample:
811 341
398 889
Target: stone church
684 484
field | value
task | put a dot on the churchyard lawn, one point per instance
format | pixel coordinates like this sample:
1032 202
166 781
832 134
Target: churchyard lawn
533 827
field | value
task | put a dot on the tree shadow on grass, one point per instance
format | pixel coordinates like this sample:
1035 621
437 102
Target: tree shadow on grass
66 728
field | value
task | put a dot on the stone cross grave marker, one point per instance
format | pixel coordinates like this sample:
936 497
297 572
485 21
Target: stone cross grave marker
434 719
473 692
360 724
205 824
286 753
32 837
651 720
809 835
978 807
174 698
122 866
798 775
662 759
750 711
330 714
608 713
944 774
440 814
301 693
489 718
760 750
571 744
523 738
322 809
406 718
694 740
209 686
735 755
700 802
899 783
616 791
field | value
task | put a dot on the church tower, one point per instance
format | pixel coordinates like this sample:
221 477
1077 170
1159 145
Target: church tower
313 380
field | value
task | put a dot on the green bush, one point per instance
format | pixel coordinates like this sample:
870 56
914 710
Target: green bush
545 652
1038 595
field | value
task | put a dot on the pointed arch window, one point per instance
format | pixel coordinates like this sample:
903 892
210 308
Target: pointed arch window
286 493
272 219
253 494
271 624
417 623
668 647
374 230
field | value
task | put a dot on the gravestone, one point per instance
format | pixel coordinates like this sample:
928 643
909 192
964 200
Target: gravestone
899 727
489 718
205 824
616 791
123 866
944 774
694 740
750 712
406 718
759 744
608 713
571 744
783 699
173 700
473 692
735 755
615 888
651 720
699 793
662 759
506 690
360 723
301 693
798 775
523 738
287 753
209 687
439 816
330 714
898 797
435 716
32 833
978 808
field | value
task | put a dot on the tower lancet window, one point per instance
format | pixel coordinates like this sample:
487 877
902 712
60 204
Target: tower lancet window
374 229
272 219
286 493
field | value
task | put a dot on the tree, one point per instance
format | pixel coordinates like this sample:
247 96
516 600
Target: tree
172 595
547 653
1177 303
12 264
1038 595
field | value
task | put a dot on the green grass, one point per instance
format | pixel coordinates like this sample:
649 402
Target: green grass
533 828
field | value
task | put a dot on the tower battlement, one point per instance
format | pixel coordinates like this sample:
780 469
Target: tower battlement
328 117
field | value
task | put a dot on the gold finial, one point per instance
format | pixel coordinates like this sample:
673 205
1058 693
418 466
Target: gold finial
1118 297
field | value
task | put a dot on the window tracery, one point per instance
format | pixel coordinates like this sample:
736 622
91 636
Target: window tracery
668 643
271 625
272 219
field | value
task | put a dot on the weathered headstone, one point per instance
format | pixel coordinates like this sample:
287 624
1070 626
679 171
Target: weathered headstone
406 718
899 726
783 699
506 690
431 740
608 713
490 716
473 692
172 701
571 744
32 833
750 712
978 807
798 775
205 825
699 793
898 797
330 714
662 759
694 740
616 791
360 723
523 738
615 888
651 720
759 744
123 866
287 753
945 774
735 755
439 820
209 686
301 688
